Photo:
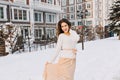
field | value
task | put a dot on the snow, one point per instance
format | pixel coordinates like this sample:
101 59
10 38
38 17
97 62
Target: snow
98 61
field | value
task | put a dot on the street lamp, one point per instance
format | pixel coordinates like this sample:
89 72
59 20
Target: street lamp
23 40
10 17
82 14
29 41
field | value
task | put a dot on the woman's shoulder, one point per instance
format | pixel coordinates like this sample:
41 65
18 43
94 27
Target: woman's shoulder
72 31
62 34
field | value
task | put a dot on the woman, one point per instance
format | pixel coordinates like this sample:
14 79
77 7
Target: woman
65 49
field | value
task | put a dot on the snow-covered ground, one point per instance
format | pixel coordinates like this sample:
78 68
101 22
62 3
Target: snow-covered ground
100 60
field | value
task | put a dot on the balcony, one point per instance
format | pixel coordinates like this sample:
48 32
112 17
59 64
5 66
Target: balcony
46 7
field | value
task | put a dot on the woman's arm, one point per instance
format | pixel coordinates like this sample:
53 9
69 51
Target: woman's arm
75 35
58 48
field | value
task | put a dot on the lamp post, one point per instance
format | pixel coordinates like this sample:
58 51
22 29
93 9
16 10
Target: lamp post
29 41
82 14
82 38
23 40
10 11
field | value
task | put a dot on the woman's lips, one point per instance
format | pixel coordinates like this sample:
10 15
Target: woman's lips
65 30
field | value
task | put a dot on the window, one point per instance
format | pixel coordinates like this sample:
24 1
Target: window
20 14
71 1
1 13
79 16
88 6
64 9
63 2
50 1
79 1
50 33
71 9
79 7
72 23
72 16
50 18
20 1
38 16
88 13
80 23
88 23
38 33
15 14
64 16
24 15
35 0
26 32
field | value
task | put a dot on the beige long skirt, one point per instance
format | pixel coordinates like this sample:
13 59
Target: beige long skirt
63 70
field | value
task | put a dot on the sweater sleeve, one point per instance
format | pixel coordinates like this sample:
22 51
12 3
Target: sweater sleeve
58 48
75 35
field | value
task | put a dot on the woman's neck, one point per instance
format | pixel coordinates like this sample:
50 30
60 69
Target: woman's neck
68 33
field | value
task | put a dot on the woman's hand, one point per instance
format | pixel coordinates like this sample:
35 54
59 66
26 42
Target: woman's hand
48 63
74 51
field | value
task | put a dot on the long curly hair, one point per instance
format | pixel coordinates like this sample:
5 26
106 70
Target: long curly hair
59 28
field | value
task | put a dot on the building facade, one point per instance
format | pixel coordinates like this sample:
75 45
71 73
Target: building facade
86 12
106 8
36 18
75 9
102 10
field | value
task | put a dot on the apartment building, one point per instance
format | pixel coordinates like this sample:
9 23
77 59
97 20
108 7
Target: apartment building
36 18
106 8
46 15
86 12
74 9
101 11
16 12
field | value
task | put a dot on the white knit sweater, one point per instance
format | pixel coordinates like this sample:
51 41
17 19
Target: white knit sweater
64 45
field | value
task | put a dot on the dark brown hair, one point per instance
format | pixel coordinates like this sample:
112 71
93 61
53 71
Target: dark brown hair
59 29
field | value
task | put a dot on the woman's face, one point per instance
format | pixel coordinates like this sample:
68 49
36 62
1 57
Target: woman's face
65 27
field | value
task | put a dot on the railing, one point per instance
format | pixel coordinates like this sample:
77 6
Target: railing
45 42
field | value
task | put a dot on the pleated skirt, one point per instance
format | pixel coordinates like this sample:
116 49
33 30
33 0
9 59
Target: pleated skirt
63 70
